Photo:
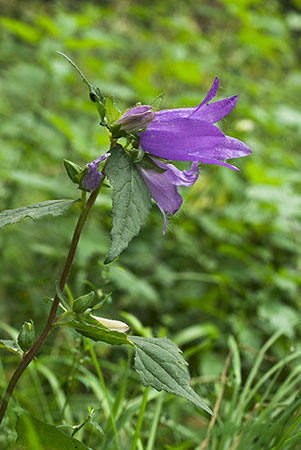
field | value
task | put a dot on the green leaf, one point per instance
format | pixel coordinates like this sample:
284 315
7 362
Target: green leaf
33 434
11 346
112 112
91 328
131 201
160 364
84 302
36 211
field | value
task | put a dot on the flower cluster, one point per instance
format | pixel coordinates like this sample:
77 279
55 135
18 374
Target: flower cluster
184 134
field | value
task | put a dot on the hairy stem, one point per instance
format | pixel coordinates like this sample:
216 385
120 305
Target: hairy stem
28 357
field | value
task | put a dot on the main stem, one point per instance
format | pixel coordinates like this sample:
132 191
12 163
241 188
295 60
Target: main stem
28 357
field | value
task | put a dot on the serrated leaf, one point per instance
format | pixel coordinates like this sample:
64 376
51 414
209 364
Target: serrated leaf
160 364
112 112
131 201
89 327
34 434
36 211
11 346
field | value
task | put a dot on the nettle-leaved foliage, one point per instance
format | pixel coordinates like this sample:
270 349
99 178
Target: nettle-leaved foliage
139 170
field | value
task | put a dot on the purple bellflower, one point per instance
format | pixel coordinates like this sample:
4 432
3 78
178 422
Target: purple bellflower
184 134
188 134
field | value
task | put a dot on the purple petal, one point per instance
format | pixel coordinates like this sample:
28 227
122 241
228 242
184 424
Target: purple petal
93 178
219 163
163 190
164 186
180 178
171 114
212 93
178 138
215 111
230 148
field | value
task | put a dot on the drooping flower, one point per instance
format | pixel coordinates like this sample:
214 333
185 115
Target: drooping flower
188 134
93 177
136 118
164 186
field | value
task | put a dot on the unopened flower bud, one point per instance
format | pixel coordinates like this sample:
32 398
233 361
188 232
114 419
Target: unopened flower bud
93 178
84 302
113 325
26 336
136 119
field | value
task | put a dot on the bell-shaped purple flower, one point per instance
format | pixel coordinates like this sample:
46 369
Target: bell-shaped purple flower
164 186
136 119
188 134
93 177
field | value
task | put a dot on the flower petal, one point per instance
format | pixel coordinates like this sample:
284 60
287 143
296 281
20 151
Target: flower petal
215 111
180 178
212 93
176 139
219 163
171 114
93 178
163 190
230 148
164 186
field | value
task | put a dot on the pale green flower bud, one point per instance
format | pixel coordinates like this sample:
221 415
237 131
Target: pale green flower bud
26 336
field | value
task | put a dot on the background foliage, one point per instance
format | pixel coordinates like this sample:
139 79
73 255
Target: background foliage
230 262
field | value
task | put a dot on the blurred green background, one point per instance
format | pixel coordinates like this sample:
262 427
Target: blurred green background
230 261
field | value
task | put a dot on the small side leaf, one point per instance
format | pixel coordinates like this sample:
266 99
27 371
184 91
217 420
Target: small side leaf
112 112
131 201
160 364
36 211
33 433
11 346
